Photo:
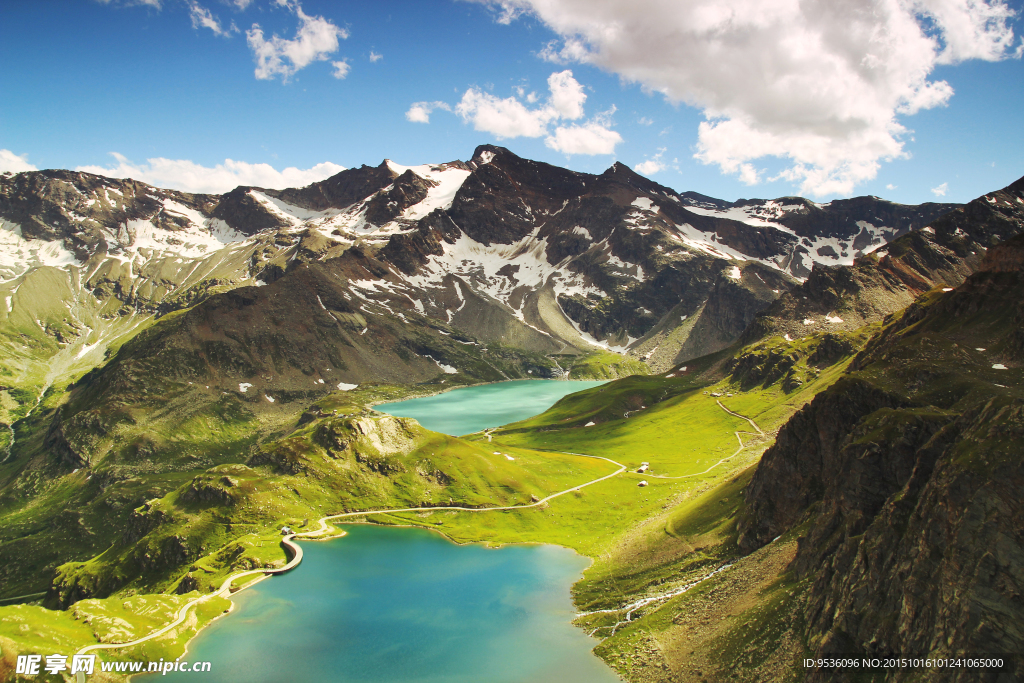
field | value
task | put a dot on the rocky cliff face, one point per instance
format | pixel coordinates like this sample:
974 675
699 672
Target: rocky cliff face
907 475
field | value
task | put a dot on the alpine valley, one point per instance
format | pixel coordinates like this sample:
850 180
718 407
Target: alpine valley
824 403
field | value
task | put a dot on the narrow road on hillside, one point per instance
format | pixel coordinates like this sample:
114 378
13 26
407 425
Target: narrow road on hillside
742 417
725 459
296 552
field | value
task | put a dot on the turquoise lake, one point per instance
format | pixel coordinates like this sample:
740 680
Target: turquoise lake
405 605
471 409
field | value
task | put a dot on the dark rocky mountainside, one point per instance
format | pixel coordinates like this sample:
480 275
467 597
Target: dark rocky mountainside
907 476
890 278
477 270
549 258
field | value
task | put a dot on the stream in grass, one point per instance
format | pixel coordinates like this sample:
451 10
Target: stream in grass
471 409
404 605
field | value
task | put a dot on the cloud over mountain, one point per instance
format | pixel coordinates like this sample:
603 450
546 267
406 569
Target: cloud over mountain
820 84
14 163
516 116
188 176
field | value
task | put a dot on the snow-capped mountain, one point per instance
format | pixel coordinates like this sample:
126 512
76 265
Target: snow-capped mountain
500 249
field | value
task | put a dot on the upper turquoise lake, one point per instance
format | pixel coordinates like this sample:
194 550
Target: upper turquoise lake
405 605
471 409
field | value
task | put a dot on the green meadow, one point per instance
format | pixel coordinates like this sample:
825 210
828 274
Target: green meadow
342 456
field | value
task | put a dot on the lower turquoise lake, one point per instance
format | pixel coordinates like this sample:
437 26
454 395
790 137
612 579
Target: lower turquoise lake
405 605
471 409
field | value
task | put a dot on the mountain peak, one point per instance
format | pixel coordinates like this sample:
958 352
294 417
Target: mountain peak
485 154
621 173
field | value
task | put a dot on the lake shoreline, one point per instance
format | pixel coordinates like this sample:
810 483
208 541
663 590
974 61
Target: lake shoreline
399 551
481 408
427 394
333 531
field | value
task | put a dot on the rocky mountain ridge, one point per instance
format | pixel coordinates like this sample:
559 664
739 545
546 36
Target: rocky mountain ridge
875 285
550 258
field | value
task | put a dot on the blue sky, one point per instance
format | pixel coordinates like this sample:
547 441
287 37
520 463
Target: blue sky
770 111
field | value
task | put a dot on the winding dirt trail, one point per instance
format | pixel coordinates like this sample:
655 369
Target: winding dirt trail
296 552
725 459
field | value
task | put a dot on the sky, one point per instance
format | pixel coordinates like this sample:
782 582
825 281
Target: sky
910 100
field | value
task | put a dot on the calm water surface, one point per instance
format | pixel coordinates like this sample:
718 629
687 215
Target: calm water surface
470 409
404 605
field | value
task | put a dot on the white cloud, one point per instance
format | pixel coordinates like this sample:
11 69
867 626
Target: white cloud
150 3
341 69
941 190
188 176
567 96
652 165
316 39
13 163
505 118
820 83
571 50
509 13
645 121
589 138
748 175
242 5
201 17
511 117
419 112
375 57
890 186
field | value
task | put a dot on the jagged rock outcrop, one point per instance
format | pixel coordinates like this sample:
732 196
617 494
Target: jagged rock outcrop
210 491
906 476
808 455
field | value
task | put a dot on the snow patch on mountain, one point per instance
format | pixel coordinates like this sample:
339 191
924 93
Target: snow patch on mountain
447 181
204 235
18 255
645 204
707 243
757 215
295 215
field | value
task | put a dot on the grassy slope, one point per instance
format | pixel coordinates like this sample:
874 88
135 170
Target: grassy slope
644 540
386 462
746 623
603 365
35 630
